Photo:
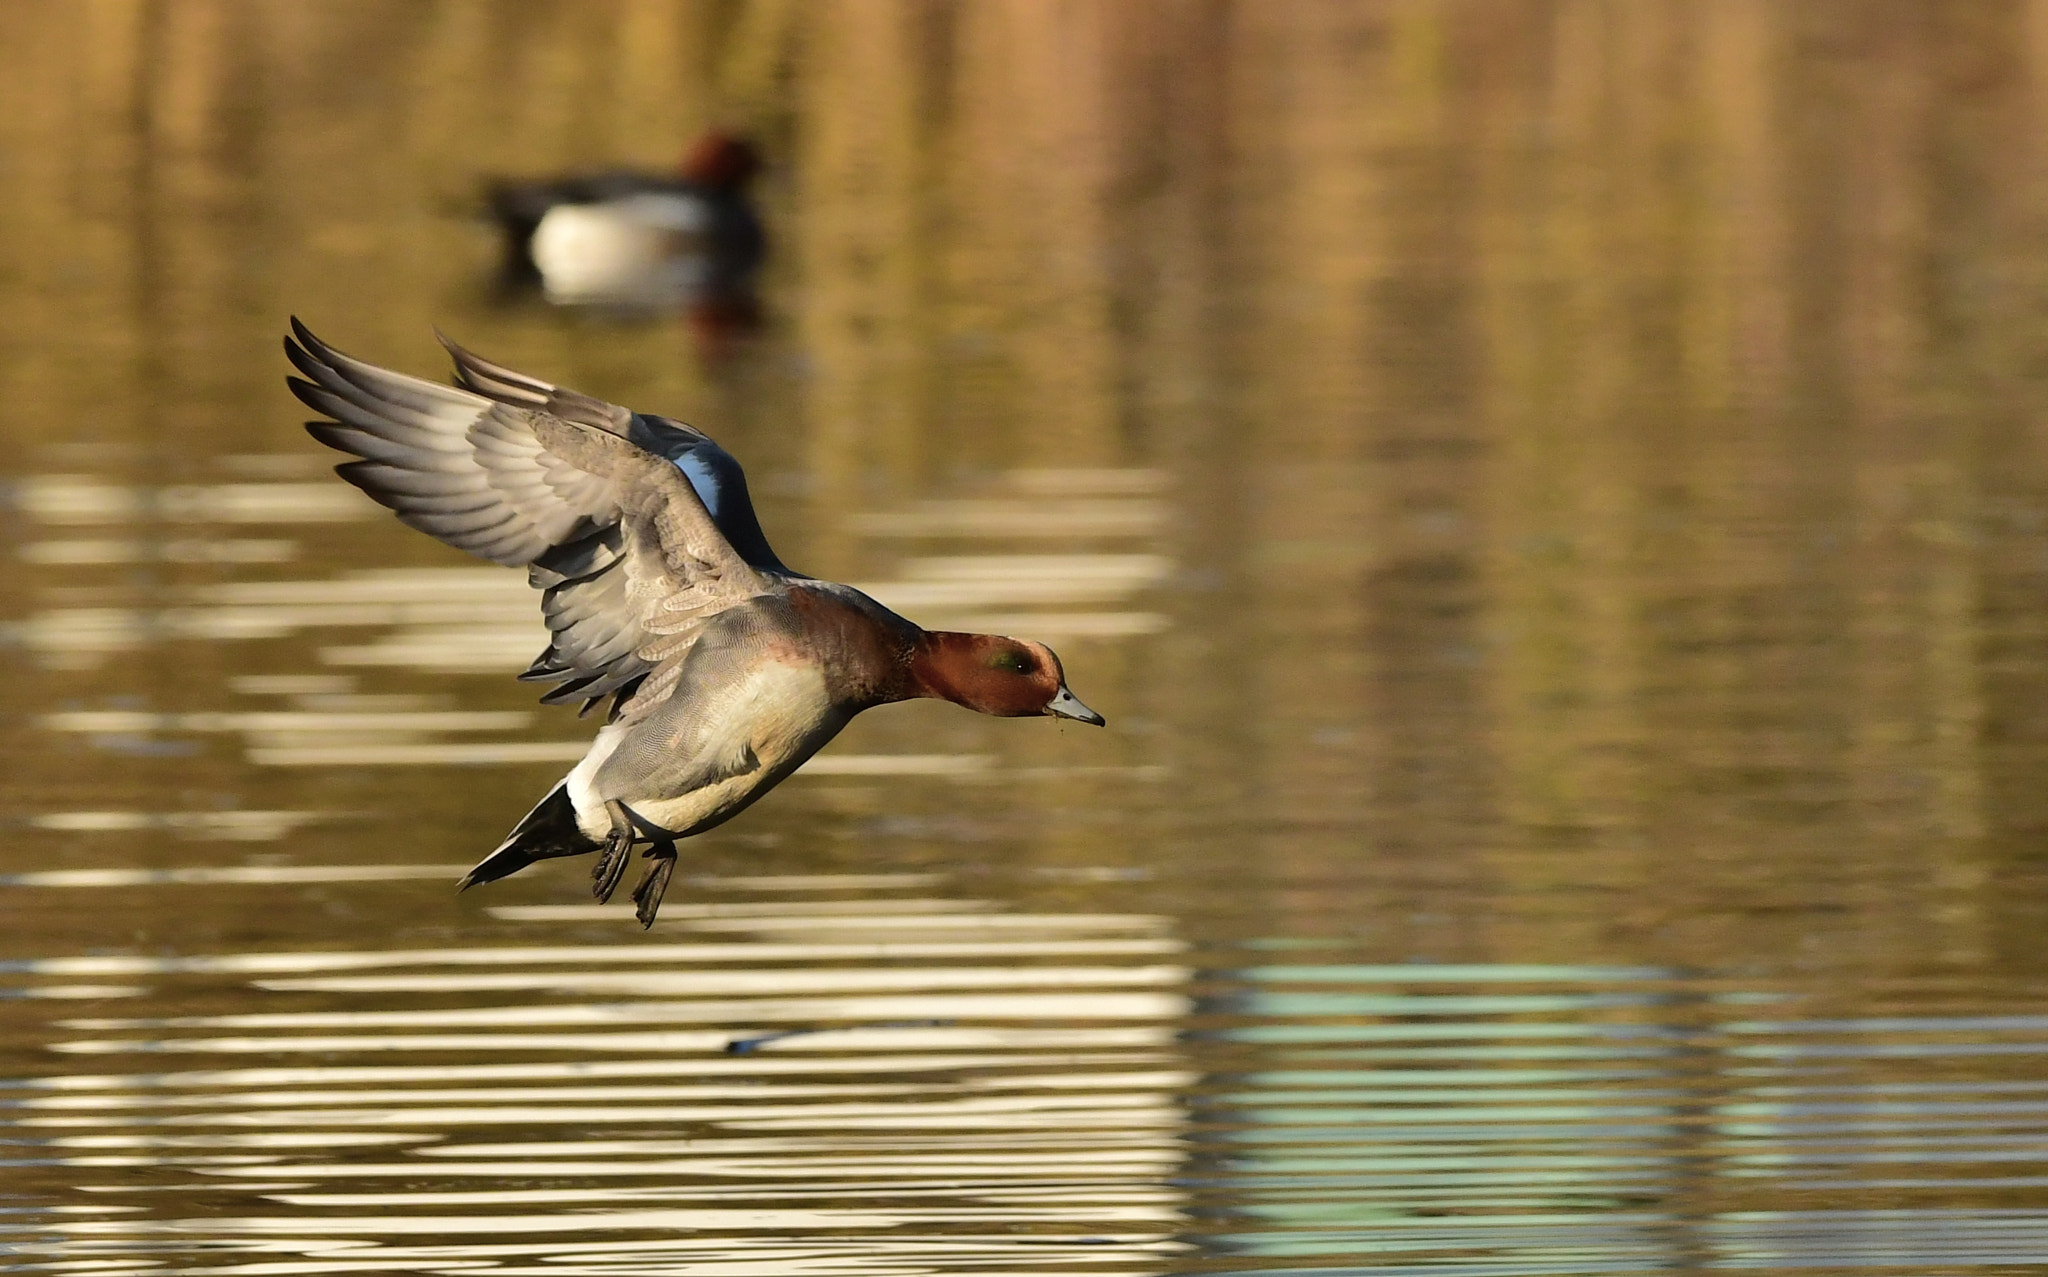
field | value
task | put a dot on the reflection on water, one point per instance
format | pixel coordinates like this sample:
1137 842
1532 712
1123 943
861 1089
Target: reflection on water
1021 1101
1550 495
1532 1119
860 1105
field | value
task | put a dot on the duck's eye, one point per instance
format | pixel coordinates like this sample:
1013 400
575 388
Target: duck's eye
1011 662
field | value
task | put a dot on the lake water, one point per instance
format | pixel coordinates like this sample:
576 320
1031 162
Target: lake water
1551 497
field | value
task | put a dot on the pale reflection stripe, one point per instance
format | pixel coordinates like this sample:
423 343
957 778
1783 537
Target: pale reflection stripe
1900 1024
711 1257
1156 1151
307 721
258 874
85 499
1136 1109
669 912
824 1144
1059 1188
257 622
400 754
1459 1004
1884 1050
1166 1118
235 825
1457 973
750 1066
1064 1201
77 992
816 882
795 980
478 753
1970 1085
451 649
929 922
897 765
1139 1142
771 908
718 1256
979 1006
381 585
104 1103
177 550
907 1117
381 1223
345 960
245 1139
949 1039
751 1088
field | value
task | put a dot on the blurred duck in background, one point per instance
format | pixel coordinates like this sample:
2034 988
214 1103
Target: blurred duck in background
690 241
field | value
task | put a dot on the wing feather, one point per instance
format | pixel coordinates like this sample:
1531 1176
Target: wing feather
719 481
633 551
396 424
495 381
373 447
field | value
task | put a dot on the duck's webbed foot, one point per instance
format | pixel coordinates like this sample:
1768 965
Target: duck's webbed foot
617 850
647 896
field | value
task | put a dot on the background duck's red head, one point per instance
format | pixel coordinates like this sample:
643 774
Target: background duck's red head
722 161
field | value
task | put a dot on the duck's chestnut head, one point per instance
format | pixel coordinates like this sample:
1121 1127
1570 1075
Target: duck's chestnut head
1006 677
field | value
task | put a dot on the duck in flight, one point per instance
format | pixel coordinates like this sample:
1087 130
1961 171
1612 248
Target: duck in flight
724 670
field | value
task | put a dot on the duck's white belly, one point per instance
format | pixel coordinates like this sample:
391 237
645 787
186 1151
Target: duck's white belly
752 734
582 782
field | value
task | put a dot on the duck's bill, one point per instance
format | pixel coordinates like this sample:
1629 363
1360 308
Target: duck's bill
1066 705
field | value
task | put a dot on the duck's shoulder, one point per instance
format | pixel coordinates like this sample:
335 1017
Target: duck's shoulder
851 648
864 647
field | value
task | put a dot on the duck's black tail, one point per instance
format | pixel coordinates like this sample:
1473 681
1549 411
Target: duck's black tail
549 830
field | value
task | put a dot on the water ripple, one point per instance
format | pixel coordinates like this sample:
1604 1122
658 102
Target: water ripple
835 1106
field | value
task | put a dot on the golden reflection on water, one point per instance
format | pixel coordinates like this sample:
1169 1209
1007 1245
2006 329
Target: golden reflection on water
1549 494
768 1126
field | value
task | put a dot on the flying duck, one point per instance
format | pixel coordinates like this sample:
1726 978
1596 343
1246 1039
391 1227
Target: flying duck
724 669
638 239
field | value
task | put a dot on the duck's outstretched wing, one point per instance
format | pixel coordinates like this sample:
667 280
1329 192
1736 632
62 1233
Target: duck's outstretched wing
712 471
631 562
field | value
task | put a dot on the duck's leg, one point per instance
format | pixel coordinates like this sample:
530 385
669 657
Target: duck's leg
647 896
618 849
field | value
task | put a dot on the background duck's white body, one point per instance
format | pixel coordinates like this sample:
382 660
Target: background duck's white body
647 249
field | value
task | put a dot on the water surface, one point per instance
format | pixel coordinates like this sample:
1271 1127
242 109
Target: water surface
1550 497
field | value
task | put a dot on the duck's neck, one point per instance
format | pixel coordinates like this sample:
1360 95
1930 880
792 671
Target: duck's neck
943 665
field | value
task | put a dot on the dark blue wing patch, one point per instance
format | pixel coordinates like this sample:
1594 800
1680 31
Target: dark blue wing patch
720 483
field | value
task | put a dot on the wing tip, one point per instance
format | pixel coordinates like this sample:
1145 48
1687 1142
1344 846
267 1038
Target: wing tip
493 380
313 345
